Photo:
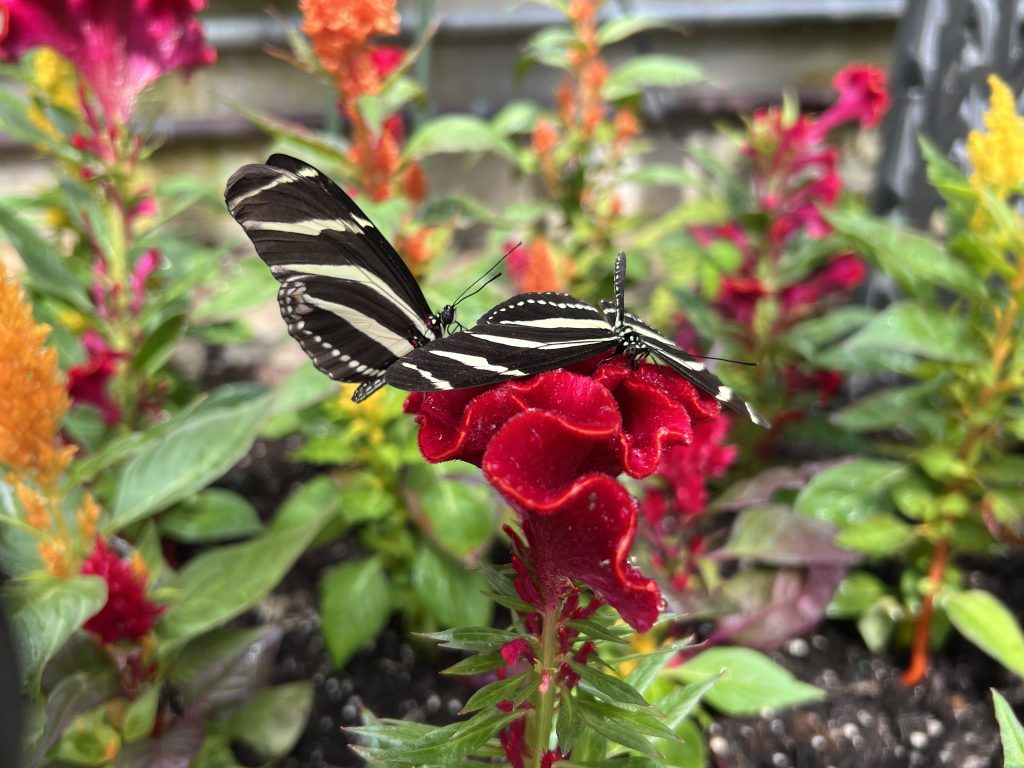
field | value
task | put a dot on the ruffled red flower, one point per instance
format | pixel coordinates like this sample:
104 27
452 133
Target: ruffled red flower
88 382
118 46
738 297
128 614
843 273
552 445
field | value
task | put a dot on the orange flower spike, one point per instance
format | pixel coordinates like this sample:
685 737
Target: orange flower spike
540 271
545 137
339 31
627 126
414 183
34 506
35 398
53 553
87 516
565 99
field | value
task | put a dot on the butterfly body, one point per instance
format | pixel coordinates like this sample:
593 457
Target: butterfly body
535 332
346 295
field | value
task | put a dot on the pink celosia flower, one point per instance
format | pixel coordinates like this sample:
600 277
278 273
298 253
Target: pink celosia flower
144 267
128 614
118 46
862 97
88 382
386 58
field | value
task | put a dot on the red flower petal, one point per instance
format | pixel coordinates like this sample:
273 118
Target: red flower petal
588 540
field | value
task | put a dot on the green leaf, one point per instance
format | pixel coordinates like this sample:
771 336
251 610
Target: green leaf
457 133
459 510
984 620
811 336
227 664
140 714
272 722
618 29
45 613
777 535
913 329
889 409
913 261
73 695
618 725
243 286
550 47
221 583
516 117
1010 732
612 689
476 664
159 345
855 595
451 594
851 491
653 70
503 690
751 683
690 751
354 606
678 703
215 514
46 268
877 535
184 459
478 639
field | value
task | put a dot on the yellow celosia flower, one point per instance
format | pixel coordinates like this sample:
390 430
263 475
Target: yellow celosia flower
34 397
997 155
87 516
53 553
370 416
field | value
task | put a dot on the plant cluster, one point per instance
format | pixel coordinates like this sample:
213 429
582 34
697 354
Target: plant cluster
627 505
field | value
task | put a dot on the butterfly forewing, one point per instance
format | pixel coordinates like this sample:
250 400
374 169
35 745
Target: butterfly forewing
346 295
527 334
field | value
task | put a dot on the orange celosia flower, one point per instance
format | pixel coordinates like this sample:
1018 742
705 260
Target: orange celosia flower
339 32
534 268
545 136
626 126
414 183
415 248
35 399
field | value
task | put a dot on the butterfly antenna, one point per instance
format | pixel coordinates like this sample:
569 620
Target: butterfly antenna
490 280
466 293
721 359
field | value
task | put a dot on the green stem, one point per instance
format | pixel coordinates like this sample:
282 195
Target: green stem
546 703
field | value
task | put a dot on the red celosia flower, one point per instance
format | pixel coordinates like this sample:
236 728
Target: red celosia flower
738 297
826 383
843 273
87 382
128 614
118 46
552 445
687 468
386 58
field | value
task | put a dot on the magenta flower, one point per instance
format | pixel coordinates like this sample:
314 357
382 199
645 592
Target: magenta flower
128 614
89 381
118 46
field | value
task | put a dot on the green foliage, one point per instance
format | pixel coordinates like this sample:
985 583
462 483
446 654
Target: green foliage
1011 732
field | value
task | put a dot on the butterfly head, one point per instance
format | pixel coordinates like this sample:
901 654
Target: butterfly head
443 320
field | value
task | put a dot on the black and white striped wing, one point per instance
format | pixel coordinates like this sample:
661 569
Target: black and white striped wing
527 334
638 334
346 295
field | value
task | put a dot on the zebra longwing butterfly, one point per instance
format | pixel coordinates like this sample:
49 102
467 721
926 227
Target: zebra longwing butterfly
535 332
346 295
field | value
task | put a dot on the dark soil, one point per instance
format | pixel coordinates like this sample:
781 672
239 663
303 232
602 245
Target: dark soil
869 719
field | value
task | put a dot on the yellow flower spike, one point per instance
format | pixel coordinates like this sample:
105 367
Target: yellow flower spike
997 155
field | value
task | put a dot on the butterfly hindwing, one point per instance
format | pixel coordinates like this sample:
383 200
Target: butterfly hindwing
346 295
